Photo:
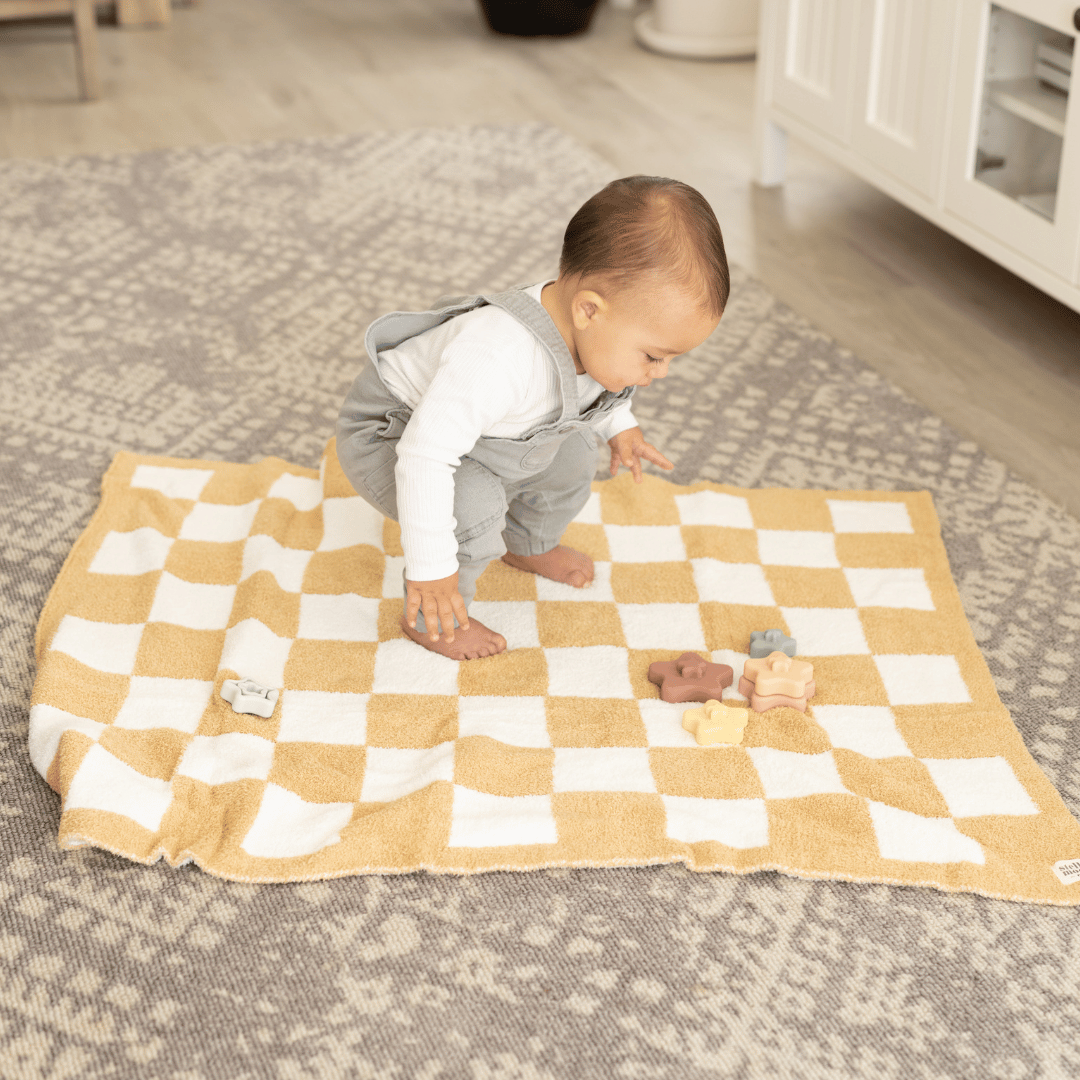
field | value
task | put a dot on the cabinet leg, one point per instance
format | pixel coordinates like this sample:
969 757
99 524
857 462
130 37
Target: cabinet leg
770 153
86 49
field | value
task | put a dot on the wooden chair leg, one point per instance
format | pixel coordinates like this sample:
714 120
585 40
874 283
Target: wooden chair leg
86 48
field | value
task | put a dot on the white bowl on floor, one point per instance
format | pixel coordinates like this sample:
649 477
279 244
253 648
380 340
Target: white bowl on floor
703 29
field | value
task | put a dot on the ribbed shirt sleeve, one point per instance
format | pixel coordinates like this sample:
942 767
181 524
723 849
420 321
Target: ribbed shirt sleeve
473 388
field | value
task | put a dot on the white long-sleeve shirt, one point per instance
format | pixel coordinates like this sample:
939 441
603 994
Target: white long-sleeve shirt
481 373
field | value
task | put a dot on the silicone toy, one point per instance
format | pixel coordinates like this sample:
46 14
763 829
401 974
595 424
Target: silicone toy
716 723
690 678
763 642
247 696
775 680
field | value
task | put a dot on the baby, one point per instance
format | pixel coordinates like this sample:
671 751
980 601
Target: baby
475 423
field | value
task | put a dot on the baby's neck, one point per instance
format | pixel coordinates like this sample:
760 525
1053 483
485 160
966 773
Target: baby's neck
556 300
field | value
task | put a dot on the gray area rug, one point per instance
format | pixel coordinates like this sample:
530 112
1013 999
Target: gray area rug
212 303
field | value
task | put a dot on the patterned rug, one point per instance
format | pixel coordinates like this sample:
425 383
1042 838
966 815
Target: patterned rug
210 304
368 754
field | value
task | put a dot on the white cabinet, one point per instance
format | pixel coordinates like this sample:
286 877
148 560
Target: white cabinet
1014 163
958 108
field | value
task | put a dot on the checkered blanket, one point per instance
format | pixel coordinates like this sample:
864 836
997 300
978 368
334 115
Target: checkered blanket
380 757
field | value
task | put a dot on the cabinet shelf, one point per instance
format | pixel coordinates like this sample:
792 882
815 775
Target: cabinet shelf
1031 101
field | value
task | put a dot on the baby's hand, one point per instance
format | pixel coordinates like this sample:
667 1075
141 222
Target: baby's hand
629 447
439 600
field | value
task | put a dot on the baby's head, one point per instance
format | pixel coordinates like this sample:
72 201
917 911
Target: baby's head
643 278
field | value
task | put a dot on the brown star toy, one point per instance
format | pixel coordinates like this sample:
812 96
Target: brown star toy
690 678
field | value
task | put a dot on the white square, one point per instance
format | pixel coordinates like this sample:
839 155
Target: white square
103 782
589 514
288 565
393 582
322 716
350 521
976 786
286 826
663 723
304 492
254 651
514 619
344 617
164 703
597 671
826 631
602 768
869 730
858 516
895 587
662 626
135 552
714 508
172 482
392 774
737 823
732 583
516 721
736 661
403 667
645 543
788 547
103 646
191 604
922 680
482 820
912 838
219 522
787 775
221 759
598 590
47 727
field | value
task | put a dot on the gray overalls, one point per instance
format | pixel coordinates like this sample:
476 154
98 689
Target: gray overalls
514 495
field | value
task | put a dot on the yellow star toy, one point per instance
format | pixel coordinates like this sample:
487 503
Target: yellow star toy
716 723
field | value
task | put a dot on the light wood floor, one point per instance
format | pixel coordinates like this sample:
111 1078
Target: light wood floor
995 357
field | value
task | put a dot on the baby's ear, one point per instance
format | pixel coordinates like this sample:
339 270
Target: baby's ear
585 307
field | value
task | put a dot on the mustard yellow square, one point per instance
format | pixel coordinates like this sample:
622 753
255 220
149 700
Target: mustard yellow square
67 684
261 597
622 826
502 582
153 752
484 764
291 528
728 626
718 542
516 672
346 667
177 652
903 782
798 586
652 502
785 728
115 598
714 772
590 540
575 721
564 623
358 569
787 508
319 772
206 562
653 583
411 721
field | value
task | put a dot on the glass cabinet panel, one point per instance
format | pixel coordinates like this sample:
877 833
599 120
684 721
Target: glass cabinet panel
1025 96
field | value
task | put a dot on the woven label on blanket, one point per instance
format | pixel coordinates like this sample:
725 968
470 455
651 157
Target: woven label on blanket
381 757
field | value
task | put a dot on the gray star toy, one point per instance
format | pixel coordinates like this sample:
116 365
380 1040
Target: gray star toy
247 696
764 642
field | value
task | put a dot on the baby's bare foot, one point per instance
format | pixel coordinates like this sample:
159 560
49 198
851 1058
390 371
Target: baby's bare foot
560 564
469 644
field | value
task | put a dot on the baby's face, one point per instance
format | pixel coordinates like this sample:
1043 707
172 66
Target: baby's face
636 336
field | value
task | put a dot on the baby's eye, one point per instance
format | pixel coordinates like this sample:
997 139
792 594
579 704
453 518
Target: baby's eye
653 359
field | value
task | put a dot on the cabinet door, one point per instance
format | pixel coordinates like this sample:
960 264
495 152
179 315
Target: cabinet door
1014 158
813 79
904 55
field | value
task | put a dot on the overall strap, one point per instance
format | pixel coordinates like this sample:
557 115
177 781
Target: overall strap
534 317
